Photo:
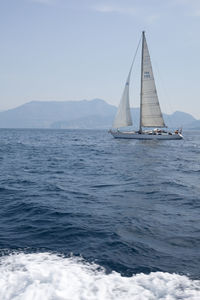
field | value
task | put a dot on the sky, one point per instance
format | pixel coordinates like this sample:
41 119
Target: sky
82 49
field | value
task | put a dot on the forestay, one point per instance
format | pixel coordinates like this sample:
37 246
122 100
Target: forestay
151 115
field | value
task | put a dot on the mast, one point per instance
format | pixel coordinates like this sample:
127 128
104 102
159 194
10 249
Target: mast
143 35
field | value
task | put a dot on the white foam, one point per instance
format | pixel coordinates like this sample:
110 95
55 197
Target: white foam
45 276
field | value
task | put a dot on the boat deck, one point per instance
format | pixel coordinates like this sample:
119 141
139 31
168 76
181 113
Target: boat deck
146 135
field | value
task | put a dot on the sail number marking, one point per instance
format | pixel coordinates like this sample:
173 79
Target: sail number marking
147 75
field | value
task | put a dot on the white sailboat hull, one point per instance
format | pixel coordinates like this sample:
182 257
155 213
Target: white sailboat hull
146 136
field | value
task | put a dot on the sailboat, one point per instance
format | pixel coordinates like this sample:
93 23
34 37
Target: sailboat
151 118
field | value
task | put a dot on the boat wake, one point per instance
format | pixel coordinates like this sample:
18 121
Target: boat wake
49 276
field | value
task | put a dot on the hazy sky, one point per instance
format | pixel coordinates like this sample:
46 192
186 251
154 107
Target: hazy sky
82 49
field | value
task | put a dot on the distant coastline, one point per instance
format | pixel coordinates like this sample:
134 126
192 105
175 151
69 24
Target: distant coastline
83 114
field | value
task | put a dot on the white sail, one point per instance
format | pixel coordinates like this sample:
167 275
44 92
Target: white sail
150 115
123 116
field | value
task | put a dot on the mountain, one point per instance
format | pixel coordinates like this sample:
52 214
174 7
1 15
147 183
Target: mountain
179 119
43 114
95 120
194 125
83 114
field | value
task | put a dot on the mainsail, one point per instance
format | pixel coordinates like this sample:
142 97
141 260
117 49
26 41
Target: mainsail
123 116
150 112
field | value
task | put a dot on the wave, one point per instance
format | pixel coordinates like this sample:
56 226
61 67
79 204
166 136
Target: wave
48 276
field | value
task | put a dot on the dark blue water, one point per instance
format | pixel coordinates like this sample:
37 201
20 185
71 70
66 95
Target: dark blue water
129 206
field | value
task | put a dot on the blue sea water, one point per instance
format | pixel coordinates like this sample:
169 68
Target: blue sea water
104 218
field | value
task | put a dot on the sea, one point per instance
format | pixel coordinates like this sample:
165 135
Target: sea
84 216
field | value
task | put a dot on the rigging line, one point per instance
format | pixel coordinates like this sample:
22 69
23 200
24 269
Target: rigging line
135 55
